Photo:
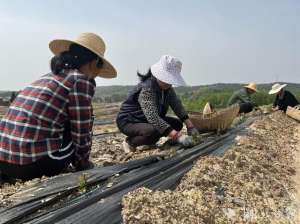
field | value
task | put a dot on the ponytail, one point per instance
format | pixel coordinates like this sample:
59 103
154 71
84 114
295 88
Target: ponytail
74 58
145 76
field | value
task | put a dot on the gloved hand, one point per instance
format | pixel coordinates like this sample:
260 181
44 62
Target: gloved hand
197 138
186 141
192 131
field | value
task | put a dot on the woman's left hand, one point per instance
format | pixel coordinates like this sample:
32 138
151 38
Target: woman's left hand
192 131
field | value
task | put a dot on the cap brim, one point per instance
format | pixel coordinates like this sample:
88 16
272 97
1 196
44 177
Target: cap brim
277 90
107 71
273 91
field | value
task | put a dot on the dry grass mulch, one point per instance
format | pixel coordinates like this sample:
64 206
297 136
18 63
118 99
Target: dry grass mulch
251 183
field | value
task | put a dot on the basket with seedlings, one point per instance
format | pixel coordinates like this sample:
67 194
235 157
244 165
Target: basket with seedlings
214 120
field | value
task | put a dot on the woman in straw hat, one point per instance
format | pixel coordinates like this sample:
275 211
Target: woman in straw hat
243 98
284 98
142 116
49 124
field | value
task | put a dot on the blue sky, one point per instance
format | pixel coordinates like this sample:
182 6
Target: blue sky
217 41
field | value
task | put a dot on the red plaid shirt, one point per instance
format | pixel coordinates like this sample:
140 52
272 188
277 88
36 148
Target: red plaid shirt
34 124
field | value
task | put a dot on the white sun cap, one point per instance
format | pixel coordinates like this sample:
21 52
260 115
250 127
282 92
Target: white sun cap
276 88
168 70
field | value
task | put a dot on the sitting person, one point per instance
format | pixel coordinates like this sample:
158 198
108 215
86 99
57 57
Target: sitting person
243 98
49 124
142 117
283 98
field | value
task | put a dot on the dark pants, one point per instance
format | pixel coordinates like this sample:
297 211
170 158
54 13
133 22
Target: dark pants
44 166
145 133
245 107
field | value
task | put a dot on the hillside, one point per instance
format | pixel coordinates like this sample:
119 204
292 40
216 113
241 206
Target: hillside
195 97
104 91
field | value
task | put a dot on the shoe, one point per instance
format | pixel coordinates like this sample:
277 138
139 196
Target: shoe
128 148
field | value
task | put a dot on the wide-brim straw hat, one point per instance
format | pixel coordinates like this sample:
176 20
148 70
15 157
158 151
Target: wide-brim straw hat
252 86
93 43
168 70
276 88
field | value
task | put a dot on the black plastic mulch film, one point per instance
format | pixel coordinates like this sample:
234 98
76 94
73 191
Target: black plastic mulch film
102 204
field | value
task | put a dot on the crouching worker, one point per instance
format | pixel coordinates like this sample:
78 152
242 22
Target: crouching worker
243 98
283 98
142 117
49 124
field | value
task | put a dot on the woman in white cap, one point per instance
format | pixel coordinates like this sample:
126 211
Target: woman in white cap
243 98
284 98
49 124
142 117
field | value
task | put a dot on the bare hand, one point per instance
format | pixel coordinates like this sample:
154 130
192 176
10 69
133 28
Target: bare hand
174 134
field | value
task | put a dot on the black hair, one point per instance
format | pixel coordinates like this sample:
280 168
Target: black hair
144 77
74 58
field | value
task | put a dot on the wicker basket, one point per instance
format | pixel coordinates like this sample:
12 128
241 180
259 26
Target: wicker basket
294 112
218 121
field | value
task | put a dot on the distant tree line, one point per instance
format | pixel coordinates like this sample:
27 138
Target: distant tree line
220 98
194 98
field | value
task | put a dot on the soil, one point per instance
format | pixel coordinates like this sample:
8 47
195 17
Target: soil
108 150
240 187
297 176
252 183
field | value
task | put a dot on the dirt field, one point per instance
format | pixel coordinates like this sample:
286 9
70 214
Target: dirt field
297 176
106 150
252 183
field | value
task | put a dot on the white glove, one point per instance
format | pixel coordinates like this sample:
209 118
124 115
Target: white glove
186 141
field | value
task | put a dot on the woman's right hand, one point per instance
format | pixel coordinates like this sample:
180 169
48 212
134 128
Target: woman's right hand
84 165
175 134
185 140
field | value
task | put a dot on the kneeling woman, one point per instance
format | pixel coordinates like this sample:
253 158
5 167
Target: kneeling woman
142 116
49 124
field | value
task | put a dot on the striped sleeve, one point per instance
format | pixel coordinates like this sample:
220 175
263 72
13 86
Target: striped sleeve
80 113
147 102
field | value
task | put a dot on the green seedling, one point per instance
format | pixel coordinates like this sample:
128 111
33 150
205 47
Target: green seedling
82 183
197 139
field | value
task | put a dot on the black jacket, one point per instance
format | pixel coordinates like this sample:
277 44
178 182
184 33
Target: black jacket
288 100
147 103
